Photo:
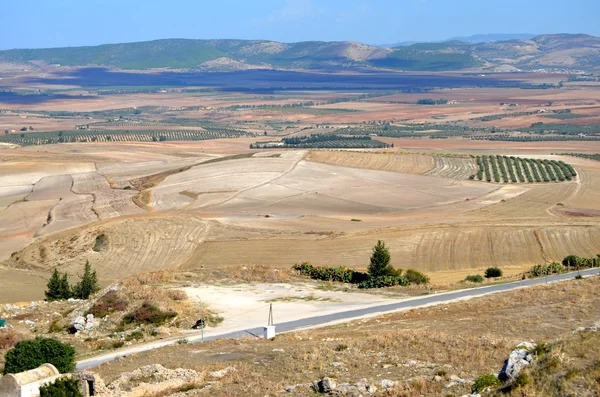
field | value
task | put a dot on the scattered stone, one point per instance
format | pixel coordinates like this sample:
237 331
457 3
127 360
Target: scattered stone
387 384
221 373
437 378
338 364
593 328
279 350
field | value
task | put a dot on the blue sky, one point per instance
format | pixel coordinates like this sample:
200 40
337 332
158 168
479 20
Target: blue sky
52 23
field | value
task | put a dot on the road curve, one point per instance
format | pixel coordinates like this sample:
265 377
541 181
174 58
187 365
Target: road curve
343 316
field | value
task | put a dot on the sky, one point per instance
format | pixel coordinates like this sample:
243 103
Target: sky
58 23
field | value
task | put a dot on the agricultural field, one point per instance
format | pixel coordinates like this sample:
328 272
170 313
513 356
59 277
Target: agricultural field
194 177
504 169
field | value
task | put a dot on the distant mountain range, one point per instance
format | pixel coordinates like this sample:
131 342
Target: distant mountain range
478 53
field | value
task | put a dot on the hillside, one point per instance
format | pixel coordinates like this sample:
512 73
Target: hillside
557 51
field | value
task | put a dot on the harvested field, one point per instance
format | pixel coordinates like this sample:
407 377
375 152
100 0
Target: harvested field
231 176
396 162
325 190
134 245
453 167
107 202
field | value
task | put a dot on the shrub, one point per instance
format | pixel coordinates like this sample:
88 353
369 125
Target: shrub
177 295
491 272
475 278
339 274
485 381
109 303
32 353
415 277
383 281
522 380
62 387
148 314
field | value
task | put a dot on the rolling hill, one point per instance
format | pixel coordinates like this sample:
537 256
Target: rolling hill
558 51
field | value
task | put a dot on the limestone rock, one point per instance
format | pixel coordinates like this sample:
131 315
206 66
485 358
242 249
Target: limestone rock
325 385
518 359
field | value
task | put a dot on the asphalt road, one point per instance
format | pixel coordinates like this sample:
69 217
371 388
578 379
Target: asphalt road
339 316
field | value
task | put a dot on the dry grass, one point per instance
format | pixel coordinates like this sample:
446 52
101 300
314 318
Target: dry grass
466 339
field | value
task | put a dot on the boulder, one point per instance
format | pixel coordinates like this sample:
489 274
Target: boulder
518 359
325 385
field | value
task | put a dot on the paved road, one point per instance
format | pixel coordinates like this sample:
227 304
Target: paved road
341 316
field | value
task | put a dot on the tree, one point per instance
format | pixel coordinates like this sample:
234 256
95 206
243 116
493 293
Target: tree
62 387
380 261
65 289
54 291
30 354
88 284
6 132
24 129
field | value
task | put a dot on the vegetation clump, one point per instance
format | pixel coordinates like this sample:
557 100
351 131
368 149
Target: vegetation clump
60 289
148 313
380 274
61 387
30 354
474 278
569 263
110 303
485 382
493 272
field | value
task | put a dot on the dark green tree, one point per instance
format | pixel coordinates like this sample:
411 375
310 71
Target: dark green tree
380 261
54 291
88 284
65 289
62 387
30 354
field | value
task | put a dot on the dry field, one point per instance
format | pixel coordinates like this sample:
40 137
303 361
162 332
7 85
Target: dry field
277 208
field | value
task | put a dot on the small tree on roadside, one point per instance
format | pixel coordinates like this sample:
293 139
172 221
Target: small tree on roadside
380 261
88 284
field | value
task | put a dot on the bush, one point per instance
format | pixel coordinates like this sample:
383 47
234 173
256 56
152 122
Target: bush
383 281
148 314
475 278
339 274
62 387
415 277
522 380
32 353
492 272
109 303
485 381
